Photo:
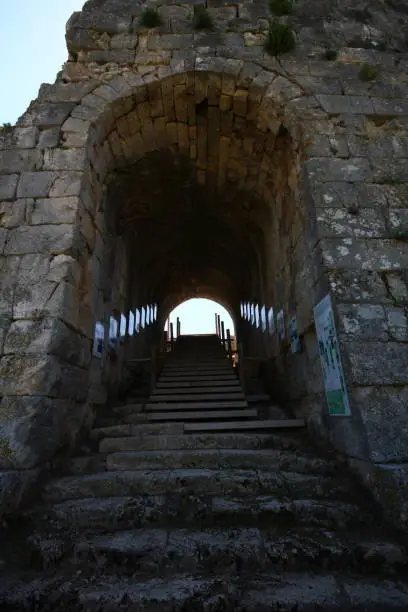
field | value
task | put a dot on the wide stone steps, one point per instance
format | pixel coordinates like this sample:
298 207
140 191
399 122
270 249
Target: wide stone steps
200 415
197 384
197 405
109 514
159 436
196 397
192 480
193 389
242 549
220 459
245 425
272 591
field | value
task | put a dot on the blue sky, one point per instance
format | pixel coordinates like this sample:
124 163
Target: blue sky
32 51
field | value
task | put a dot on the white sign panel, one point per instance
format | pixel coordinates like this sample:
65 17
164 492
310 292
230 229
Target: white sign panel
334 384
97 348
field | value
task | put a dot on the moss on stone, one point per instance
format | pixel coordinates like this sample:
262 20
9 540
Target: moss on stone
368 73
202 20
280 38
6 451
150 18
281 7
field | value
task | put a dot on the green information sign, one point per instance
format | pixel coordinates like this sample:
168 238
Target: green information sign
334 384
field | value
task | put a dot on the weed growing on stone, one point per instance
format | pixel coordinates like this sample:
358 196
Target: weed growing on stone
150 18
5 128
202 20
401 235
281 7
368 73
331 54
280 38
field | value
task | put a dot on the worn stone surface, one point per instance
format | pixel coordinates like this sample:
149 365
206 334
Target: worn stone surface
170 163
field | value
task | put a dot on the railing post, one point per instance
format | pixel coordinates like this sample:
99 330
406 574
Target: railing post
178 328
216 324
153 368
223 334
241 365
171 336
229 344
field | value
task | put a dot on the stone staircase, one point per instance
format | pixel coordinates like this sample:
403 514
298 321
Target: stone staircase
211 512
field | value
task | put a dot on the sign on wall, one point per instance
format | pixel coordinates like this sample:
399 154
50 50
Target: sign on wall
271 321
294 339
263 318
280 324
97 349
333 376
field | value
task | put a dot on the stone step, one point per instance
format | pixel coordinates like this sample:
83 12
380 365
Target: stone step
109 514
181 592
197 405
244 548
227 384
220 459
220 367
197 397
258 397
128 407
142 440
206 390
248 425
228 377
199 415
187 481
144 429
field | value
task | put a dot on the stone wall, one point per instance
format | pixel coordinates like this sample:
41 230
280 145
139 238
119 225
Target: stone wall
126 92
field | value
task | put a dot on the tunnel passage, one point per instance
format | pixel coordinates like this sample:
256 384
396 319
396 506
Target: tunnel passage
208 205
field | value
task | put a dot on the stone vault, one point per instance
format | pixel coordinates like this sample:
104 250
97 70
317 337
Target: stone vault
168 163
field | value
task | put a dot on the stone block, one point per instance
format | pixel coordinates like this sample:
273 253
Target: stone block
389 170
16 489
47 114
384 414
54 211
25 422
389 107
20 160
25 138
29 375
361 223
49 138
65 92
65 184
397 323
335 104
366 254
64 159
8 186
3 239
12 214
377 363
35 184
364 321
49 336
8 279
326 170
398 287
52 239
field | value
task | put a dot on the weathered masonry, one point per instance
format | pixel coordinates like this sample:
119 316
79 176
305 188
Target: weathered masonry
171 162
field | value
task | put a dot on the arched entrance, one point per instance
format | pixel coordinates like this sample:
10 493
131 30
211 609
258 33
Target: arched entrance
203 176
200 316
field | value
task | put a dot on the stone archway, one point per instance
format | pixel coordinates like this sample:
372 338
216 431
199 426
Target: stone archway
279 134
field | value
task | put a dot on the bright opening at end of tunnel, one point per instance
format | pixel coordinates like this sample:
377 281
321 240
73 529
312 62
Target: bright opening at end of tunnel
197 316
